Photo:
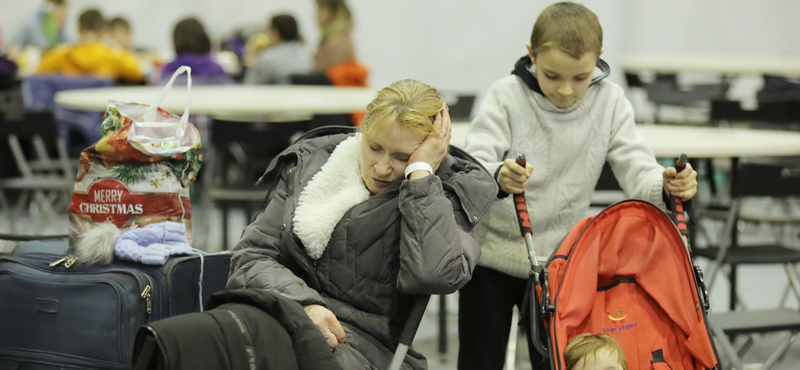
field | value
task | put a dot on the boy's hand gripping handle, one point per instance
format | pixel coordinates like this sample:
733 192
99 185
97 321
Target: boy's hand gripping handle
676 203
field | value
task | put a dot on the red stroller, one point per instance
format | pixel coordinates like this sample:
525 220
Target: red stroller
628 273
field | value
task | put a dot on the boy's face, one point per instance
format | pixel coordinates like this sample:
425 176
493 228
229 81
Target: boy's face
604 360
562 78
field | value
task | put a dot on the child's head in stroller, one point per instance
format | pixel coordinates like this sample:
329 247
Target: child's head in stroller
594 352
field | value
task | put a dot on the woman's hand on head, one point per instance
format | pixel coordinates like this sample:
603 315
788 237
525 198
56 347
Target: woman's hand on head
434 147
327 323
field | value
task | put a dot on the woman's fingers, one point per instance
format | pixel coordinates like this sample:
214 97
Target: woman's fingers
337 330
327 323
446 124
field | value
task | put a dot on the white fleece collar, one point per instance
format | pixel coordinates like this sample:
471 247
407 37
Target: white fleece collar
332 191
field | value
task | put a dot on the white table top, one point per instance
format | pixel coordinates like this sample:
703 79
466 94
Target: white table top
726 64
669 141
229 99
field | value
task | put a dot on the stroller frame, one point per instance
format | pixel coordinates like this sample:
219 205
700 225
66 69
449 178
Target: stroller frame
542 304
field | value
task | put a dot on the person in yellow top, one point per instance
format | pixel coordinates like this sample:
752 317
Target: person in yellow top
91 56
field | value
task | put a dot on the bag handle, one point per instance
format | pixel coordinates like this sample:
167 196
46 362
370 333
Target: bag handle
150 114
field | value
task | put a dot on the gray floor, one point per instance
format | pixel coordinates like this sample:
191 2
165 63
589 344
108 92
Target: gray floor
760 287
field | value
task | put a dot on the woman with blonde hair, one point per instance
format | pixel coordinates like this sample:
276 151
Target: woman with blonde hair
360 221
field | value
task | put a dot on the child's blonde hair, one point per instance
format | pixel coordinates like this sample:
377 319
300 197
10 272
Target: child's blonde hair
569 27
587 346
409 102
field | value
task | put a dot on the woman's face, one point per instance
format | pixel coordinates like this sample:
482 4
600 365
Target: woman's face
323 15
384 156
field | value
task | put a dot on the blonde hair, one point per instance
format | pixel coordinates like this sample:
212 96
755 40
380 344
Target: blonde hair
410 103
588 346
339 19
570 27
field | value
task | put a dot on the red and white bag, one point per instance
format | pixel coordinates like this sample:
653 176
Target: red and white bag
140 171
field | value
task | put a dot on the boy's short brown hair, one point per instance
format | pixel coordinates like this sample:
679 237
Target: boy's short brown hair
588 346
91 21
570 27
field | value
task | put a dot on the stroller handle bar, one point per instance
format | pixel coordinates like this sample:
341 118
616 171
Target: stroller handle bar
524 219
676 203
521 206
531 302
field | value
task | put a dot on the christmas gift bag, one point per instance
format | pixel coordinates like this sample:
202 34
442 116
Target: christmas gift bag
138 174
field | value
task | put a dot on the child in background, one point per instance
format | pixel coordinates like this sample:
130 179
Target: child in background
119 31
91 56
46 30
594 352
568 121
285 54
193 49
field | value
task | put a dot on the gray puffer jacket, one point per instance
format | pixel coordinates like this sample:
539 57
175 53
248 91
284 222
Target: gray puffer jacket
411 239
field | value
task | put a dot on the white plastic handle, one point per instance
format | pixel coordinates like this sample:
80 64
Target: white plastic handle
150 114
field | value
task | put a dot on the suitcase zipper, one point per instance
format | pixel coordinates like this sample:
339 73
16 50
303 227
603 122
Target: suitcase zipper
146 295
68 261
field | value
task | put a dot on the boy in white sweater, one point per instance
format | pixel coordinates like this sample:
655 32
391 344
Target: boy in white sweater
568 121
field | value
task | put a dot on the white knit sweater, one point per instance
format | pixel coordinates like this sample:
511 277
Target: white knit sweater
567 147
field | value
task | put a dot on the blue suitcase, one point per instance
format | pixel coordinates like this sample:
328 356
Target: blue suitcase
56 314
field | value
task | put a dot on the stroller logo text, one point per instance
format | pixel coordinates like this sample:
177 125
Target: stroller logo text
617 322
621 315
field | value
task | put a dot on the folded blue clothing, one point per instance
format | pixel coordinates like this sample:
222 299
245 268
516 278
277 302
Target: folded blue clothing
154 243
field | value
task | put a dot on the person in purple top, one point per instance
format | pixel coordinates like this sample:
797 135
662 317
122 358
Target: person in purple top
193 49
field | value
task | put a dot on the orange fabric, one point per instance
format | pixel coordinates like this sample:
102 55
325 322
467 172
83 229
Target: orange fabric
91 58
658 310
349 73
699 345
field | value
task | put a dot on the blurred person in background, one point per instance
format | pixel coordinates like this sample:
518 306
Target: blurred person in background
193 49
46 30
91 56
8 68
119 33
335 46
336 57
285 54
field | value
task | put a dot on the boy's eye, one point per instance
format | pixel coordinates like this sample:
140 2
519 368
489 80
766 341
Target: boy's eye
580 78
551 77
374 149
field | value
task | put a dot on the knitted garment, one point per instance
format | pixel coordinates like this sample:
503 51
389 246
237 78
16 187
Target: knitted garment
154 243
567 148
